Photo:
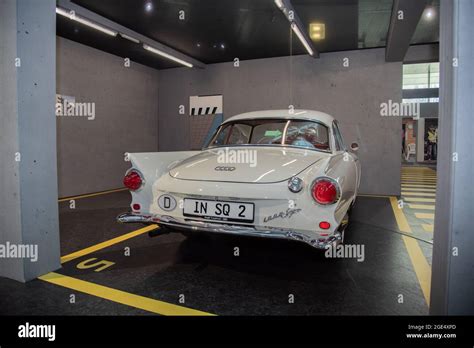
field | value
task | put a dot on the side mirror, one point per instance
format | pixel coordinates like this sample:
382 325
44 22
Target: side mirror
354 147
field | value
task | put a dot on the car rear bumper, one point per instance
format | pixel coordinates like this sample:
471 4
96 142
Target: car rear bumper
243 230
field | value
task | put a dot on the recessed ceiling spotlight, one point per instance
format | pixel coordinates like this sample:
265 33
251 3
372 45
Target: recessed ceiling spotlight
148 6
429 13
222 46
198 44
317 31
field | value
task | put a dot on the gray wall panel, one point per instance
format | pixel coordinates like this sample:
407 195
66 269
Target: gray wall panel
90 152
352 94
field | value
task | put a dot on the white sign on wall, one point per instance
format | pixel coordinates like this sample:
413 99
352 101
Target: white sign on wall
205 105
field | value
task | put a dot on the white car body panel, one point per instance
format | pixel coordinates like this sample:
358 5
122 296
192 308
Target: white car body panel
278 212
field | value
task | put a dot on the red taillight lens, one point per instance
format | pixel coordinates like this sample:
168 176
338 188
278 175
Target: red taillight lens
325 191
133 181
324 225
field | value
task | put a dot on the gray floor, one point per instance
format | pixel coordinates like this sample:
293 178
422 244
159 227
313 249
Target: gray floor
212 279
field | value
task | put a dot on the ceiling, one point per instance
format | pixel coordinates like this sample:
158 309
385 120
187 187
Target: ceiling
216 31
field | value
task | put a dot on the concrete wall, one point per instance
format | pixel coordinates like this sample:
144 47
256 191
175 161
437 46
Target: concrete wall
91 152
352 94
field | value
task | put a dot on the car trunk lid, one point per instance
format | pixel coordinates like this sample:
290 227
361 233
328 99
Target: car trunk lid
247 164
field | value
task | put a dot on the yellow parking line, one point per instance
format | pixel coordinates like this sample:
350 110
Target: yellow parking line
421 266
107 243
118 296
427 227
407 193
432 181
429 181
418 179
402 222
419 185
422 206
417 189
416 199
376 196
90 194
424 216
419 176
418 260
424 175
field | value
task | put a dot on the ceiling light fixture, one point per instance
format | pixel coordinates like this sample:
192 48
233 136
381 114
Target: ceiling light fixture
72 16
149 6
429 13
317 31
166 55
294 20
129 38
306 45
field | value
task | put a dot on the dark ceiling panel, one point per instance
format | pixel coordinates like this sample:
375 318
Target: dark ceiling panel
213 30
216 31
340 18
114 45
427 30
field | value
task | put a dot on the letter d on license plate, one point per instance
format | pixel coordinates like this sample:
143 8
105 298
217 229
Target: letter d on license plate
219 210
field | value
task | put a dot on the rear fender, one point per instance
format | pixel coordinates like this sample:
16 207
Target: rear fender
152 165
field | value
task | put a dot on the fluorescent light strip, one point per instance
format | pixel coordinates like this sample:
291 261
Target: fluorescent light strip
72 16
166 55
279 3
129 38
302 39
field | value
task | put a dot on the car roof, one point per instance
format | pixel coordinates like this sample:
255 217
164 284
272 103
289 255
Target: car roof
285 114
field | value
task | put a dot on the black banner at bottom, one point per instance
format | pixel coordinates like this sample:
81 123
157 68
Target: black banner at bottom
261 330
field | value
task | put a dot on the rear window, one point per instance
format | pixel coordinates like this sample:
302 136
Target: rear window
298 133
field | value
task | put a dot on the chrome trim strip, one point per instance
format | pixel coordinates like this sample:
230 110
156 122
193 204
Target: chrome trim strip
243 230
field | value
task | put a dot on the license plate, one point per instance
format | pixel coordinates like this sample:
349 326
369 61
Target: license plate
219 210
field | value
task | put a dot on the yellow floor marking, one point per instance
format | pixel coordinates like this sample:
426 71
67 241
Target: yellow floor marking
418 260
416 199
424 216
91 195
419 185
429 181
421 266
427 227
417 189
421 206
118 296
402 222
377 196
407 193
418 175
107 243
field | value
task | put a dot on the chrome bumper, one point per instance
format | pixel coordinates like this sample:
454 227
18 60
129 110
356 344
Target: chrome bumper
216 227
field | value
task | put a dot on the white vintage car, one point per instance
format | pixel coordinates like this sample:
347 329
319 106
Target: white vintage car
269 174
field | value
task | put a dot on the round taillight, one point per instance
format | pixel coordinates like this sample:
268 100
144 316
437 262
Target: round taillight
325 191
136 206
324 225
133 180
